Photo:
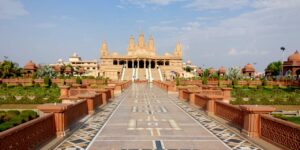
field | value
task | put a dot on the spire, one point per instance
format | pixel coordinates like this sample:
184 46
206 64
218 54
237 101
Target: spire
151 43
178 50
141 40
103 49
131 43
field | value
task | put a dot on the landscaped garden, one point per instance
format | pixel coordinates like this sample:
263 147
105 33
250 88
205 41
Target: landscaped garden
265 96
11 118
29 95
288 118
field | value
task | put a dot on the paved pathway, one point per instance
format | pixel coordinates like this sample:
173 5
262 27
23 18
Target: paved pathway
145 117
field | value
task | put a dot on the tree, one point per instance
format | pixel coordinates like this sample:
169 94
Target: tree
45 71
234 73
9 69
274 68
188 69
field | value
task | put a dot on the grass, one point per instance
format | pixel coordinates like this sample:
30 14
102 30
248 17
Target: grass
295 120
266 96
28 95
11 118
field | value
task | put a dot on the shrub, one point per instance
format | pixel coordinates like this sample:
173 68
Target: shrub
78 80
47 81
5 126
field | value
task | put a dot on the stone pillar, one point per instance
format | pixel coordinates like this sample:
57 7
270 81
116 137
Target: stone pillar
91 102
126 63
64 91
138 63
226 94
155 63
251 118
192 95
144 63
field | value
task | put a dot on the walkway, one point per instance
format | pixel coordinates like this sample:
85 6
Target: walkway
145 117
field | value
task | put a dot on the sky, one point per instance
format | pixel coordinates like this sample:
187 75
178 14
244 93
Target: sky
213 33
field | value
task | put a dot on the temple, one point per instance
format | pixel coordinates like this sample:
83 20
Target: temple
141 61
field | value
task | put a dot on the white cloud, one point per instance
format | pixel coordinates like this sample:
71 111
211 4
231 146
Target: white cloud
46 25
143 3
217 4
10 9
235 52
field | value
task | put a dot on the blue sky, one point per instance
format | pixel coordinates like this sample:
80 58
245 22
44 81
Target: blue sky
213 33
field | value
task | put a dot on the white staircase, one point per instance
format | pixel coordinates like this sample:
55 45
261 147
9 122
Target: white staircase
160 75
136 73
142 74
133 74
123 73
150 75
147 74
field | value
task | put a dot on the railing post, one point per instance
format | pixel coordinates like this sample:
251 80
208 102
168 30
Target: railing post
226 94
64 91
251 118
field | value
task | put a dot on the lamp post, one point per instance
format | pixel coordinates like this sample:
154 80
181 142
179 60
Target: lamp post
282 49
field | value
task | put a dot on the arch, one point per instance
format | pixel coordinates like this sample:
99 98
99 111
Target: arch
160 63
135 64
130 65
167 63
141 64
115 62
122 62
152 64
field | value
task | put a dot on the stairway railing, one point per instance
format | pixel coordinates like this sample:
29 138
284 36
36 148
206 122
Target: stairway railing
160 75
123 73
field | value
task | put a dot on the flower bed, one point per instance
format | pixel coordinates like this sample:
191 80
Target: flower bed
11 118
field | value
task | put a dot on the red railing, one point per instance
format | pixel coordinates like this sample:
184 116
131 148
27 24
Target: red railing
229 112
279 132
29 135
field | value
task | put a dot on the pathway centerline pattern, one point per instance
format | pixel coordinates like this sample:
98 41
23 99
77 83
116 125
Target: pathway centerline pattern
145 117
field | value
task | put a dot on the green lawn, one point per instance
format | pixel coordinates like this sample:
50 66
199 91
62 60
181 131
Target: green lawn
290 119
266 96
11 118
28 95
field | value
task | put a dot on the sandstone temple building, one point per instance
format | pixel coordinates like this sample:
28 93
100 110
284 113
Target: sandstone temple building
141 61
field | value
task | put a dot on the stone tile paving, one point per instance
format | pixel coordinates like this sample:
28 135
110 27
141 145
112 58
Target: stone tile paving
81 138
145 117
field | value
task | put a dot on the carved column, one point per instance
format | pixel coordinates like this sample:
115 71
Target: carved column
138 63
144 63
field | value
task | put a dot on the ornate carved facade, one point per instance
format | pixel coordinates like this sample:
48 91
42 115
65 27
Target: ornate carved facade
140 55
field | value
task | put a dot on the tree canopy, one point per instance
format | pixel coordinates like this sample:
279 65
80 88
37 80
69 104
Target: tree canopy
274 68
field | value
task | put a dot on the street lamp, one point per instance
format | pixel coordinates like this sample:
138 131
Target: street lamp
282 49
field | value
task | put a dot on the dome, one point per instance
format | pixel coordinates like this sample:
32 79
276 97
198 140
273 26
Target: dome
167 54
57 68
211 70
222 70
68 69
294 57
248 68
81 70
199 71
114 54
30 66
189 62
